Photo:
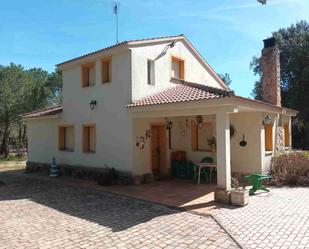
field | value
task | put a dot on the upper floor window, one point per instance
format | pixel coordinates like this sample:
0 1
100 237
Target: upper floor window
106 70
88 74
66 137
178 68
89 138
268 137
150 72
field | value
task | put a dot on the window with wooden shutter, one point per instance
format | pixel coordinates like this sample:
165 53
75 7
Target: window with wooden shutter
61 138
89 138
205 133
106 70
88 74
150 72
66 137
286 128
178 68
268 137
194 139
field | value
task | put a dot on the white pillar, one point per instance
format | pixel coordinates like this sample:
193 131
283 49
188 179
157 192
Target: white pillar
223 151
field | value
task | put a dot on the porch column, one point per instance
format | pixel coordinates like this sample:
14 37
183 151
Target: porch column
223 151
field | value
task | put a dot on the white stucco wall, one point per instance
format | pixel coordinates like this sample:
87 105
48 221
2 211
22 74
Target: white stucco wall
113 123
195 70
42 139
246 159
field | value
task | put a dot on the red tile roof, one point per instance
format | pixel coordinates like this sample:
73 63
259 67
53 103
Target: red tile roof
43 112
183 91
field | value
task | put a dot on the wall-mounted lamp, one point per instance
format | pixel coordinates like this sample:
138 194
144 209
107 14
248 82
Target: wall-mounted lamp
92 104
170 45
266 120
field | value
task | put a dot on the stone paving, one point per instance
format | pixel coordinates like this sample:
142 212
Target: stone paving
48 214
279 219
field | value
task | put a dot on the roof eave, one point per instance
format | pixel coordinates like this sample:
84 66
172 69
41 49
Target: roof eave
92 56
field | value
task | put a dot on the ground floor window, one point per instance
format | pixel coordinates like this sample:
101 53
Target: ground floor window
201 136
66 137
89 138
286 128
268 137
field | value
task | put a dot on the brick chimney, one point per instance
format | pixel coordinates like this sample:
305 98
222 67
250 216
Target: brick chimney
270 62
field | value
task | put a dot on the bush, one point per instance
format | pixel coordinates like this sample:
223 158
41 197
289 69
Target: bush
291 168
107 178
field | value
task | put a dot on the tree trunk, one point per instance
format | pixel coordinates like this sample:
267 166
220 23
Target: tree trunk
5 138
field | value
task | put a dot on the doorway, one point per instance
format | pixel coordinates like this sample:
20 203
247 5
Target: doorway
158 150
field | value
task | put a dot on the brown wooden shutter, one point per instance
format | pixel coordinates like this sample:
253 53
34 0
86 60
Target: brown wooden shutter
194 139
61 138
106 70
86 139
268 137
181 69
92 138
286 135
85 76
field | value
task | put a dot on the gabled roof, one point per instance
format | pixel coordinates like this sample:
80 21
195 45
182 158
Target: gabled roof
144 42
183 91
128 42
43 112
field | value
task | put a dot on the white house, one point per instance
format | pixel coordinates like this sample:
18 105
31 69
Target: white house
118 101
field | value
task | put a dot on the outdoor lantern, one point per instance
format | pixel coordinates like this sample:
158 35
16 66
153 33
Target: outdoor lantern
267 120
92 104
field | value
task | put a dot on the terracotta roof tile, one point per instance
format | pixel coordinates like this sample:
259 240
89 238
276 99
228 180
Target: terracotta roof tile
183 91
43 112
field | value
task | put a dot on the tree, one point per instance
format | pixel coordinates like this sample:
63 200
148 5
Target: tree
293 43
23 91
226 78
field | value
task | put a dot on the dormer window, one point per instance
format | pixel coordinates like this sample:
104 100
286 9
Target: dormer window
178 68
106 70
88 75
150 72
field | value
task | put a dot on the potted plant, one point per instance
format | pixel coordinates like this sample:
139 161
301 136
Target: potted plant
239 195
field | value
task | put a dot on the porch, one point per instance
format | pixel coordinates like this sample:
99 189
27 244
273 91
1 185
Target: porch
215 136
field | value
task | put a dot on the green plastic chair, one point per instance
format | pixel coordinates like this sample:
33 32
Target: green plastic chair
204 171
256 181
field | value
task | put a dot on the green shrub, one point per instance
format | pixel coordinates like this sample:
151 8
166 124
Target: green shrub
291 168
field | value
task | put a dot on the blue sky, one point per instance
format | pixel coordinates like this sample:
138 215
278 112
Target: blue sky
36 33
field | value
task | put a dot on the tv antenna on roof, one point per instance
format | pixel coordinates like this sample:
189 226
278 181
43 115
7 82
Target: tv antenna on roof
116 11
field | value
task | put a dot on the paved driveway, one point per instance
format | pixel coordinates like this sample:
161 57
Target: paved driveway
279 219
46 214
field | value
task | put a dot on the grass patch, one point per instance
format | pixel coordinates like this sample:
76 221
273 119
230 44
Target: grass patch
13 157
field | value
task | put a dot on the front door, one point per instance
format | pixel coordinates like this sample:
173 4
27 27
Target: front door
158 150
